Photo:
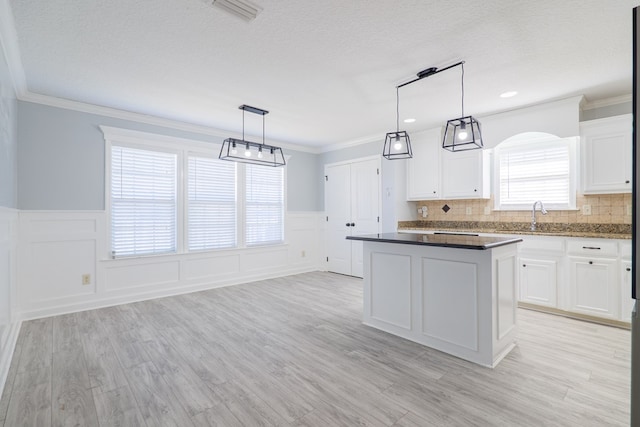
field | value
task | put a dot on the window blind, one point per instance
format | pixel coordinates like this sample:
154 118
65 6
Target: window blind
264 205
211 192
143 202
533 173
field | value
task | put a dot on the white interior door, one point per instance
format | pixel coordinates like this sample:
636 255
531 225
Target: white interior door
337 192
352 206
365 215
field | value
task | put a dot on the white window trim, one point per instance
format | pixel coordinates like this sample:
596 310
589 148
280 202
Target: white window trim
182 147
573 145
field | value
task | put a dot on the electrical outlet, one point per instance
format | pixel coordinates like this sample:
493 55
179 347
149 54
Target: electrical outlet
469 210
86 279
303 254
487 210
586 209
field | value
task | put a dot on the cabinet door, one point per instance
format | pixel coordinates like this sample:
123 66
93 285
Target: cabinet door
465 175
626 306
538 281
594 287
423 170
606 155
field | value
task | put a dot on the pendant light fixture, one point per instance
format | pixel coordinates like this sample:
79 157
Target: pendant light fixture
243 151
460 134
397 145
463 133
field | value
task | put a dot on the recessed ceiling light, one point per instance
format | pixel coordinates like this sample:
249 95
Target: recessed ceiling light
508 94
409 120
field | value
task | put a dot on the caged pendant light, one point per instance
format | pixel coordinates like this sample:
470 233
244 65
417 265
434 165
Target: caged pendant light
463 133
243 151
460 134
397 145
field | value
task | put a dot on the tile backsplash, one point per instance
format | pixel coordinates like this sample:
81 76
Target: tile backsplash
605 209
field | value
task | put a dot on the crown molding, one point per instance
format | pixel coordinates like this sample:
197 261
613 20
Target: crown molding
351 143
10 47
147 119
599 103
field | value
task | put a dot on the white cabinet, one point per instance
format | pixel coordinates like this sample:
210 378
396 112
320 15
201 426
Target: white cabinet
593 286
465 175
606 146
626 302
423 170
540 264
538 281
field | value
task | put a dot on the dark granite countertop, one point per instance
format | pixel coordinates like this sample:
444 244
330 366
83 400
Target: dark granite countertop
598 231
443 240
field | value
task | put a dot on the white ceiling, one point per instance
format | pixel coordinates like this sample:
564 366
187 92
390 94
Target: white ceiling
326 70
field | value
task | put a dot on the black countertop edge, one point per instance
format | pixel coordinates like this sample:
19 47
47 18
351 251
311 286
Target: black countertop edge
442 240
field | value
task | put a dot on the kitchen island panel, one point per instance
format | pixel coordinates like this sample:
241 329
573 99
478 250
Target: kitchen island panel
449 302
391 304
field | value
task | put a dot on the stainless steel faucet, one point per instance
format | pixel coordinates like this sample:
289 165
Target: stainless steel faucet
533 213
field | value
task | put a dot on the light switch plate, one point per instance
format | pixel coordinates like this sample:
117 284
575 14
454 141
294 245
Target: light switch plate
586 209
487 210
469 210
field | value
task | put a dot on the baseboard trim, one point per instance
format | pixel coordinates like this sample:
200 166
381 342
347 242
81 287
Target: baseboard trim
6 353
578 316
144 296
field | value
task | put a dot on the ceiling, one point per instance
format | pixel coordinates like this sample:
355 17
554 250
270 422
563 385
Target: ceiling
326 70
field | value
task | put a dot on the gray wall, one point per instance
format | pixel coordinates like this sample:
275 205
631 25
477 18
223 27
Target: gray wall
61 160
8 138
608 111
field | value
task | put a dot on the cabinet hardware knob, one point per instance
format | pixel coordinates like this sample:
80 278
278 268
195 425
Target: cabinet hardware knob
434 192
348 225
524 265
590 262
353 224
628 269
475 189
627 181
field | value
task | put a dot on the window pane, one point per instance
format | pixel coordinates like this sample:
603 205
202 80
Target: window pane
530 172
143 202
211 192
264 205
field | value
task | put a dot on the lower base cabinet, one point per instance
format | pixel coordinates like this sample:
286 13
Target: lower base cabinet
593 286
538 281
626 302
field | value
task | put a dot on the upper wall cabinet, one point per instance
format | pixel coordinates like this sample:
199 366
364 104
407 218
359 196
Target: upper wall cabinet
465 174
423 170
606 155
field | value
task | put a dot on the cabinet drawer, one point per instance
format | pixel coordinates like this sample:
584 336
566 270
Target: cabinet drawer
544 244
592 247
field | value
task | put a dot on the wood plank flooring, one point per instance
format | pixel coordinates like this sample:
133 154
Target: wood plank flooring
293 352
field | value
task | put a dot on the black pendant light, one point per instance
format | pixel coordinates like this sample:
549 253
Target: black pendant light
397 145
243 151
463 133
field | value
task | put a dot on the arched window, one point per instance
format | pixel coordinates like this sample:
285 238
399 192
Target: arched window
535 166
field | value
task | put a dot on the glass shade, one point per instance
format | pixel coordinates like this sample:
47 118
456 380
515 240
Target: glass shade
397 145
462 134
238 150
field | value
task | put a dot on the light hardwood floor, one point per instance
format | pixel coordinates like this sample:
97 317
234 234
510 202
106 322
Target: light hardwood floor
293 352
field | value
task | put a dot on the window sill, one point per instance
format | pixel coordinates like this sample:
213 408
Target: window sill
192 254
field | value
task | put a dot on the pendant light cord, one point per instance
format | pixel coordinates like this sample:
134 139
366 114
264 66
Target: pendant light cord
462 88
397 109
243 125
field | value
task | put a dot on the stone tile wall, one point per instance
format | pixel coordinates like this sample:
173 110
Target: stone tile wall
605 209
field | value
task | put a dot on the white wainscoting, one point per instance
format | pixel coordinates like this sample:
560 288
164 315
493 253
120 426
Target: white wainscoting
9 322
58 247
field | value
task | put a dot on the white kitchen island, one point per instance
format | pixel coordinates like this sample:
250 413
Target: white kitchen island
454 293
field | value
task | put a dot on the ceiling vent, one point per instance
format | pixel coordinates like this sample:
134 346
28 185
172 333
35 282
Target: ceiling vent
240 8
